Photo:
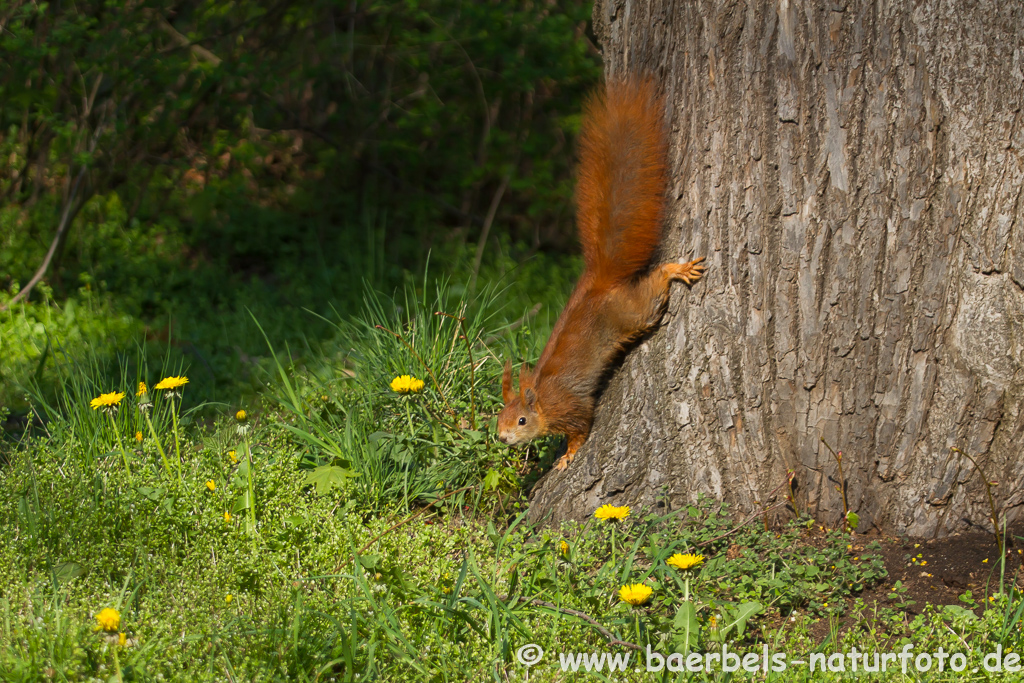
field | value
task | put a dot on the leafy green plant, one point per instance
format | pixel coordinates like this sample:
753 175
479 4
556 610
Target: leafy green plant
244 479
373 421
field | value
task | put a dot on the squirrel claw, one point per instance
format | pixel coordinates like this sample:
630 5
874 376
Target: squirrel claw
564 461
691 271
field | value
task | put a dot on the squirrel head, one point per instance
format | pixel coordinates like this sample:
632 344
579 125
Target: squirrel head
520 420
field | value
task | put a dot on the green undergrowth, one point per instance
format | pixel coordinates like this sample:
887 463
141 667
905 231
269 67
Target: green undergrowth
358 521
210 328
324 588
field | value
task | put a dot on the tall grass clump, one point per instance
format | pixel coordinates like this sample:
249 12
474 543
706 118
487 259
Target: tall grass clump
65 407
400 413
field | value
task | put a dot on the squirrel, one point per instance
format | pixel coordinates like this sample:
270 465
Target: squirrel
620 202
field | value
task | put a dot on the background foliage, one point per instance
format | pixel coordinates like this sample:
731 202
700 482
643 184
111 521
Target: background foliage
207 157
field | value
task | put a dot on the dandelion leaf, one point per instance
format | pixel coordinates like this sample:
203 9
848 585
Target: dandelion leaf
686 627
327 477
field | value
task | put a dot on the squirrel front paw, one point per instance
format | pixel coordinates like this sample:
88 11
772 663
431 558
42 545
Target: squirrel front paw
575 441
564 461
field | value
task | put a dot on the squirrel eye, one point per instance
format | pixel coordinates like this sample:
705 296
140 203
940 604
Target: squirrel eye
522 420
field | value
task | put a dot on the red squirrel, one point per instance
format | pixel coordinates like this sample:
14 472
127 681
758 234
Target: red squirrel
620 202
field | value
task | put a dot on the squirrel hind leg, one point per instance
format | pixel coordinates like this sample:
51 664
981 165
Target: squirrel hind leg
649 296
688 272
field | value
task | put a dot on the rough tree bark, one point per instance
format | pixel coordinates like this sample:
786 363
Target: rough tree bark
853 172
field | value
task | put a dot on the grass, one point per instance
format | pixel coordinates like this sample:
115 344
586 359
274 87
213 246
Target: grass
344 531
325 589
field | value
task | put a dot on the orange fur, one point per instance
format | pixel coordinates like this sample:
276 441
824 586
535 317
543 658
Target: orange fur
620 205
621 184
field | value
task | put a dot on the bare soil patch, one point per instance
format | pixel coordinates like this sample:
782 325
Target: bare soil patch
939 571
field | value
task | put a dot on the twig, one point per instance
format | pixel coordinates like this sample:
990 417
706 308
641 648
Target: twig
790 475
519 323
198 51
991 501
842 483
472 363
485 231
62 228
66 219
425 366
612 640
411 517
741 524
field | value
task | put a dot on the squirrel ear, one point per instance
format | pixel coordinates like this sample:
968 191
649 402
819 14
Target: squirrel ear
529 397
524 381
506 383
524 370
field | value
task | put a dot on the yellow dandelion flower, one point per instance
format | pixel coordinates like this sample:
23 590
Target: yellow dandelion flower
138 436
686 561
142 390
984 561
107 400
122 639
227 516
109 619
612 512
171 383
228 598
211 485
234 457
636 594
403 384
563 547
240 416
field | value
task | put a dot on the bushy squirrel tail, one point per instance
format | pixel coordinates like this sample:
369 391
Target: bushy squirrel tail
620 191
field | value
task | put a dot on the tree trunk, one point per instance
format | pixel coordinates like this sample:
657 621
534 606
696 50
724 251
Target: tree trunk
853 173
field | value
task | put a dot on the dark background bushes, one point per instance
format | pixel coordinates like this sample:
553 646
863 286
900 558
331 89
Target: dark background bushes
209 158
